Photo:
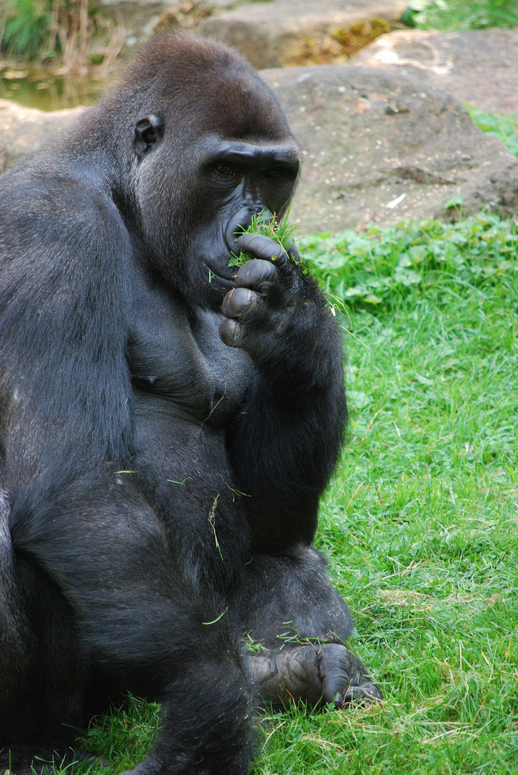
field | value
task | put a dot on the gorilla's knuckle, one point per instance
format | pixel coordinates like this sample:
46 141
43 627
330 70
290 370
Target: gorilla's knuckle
230 332
241 301
257 274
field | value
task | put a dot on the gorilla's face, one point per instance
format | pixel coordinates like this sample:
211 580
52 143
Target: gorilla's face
191 211
235 182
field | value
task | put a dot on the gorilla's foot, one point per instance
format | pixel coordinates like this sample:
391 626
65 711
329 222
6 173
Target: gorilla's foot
41 760
324 673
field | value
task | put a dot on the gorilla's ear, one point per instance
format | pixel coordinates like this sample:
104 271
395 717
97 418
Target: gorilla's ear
148 131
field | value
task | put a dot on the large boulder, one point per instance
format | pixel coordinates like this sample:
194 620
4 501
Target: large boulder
23 130
379 147
286 32
478 66
270 34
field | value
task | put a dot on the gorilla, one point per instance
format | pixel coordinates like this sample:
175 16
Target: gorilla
167 425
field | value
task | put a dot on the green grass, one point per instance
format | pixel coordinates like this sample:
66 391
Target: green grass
500 125
461 14
280 232
421 520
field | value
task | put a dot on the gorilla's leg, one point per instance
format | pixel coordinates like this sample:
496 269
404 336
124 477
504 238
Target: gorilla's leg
206 721
169 644
143 618
299 627
41 669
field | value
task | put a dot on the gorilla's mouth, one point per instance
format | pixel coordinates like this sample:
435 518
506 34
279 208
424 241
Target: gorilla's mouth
222 279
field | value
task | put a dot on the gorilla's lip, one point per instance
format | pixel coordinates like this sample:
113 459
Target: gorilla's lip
227 282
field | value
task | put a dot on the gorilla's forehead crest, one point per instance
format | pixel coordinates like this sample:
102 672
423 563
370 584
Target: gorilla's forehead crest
180 72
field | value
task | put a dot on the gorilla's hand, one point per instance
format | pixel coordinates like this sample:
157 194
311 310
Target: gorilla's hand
328 673
264 303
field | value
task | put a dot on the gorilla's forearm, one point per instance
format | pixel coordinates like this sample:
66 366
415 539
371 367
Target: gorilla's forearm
286 438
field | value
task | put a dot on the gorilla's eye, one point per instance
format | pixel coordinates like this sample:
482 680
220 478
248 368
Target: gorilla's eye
275 173
225 169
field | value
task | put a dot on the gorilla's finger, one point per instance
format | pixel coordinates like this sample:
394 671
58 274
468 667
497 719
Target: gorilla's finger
260 246
230 332
338 672
256 273
344 678
241 303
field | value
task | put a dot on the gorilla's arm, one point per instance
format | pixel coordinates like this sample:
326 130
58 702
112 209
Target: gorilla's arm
64 385
286 437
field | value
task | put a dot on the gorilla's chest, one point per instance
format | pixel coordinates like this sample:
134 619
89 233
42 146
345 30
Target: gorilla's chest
181 361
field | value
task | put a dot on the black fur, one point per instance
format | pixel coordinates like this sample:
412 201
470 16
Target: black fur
166 427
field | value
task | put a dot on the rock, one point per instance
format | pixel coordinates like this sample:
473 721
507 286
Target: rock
288 32
23 130
478 66
377 148
142 18
380 148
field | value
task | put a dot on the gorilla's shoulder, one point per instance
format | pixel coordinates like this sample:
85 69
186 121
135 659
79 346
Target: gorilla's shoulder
61 206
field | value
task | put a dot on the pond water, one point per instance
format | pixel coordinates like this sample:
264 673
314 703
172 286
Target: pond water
49 93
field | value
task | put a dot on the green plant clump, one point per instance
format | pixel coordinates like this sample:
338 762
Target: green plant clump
26 27
461 14
281 232
379 268
45 29
502 126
